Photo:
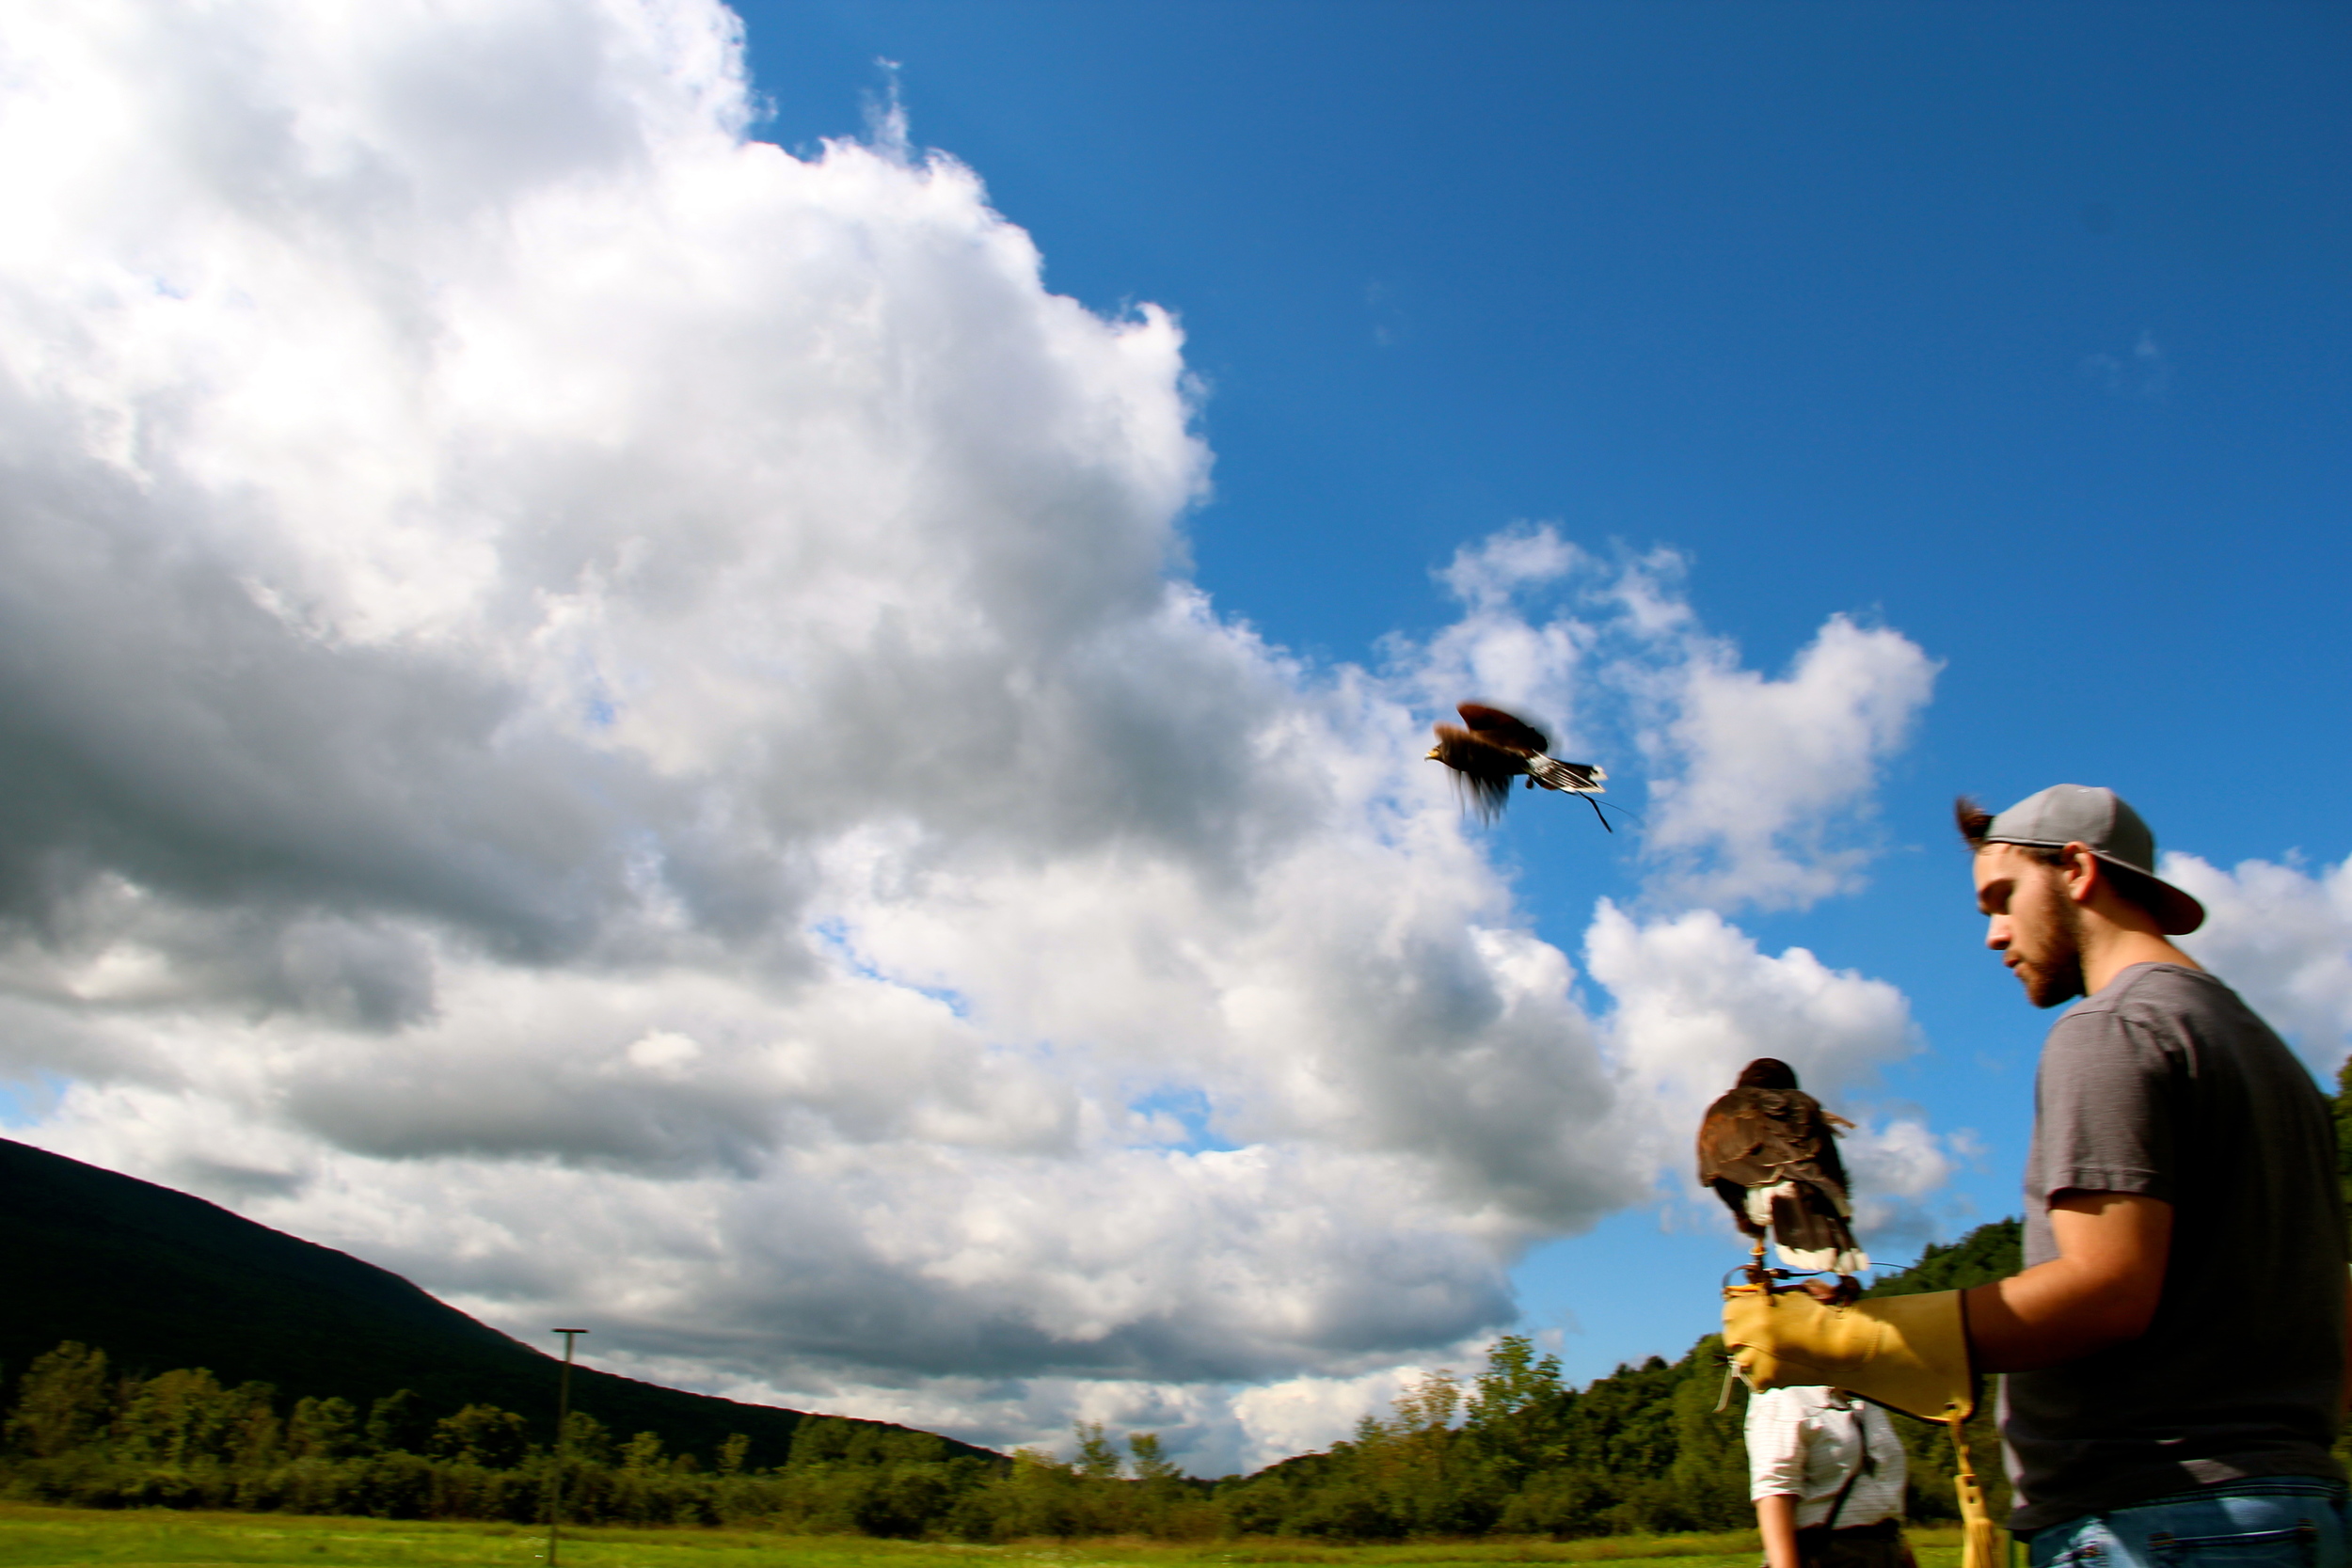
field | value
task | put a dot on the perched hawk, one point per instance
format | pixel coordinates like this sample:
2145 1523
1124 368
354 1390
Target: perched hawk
1496 749
1770 1153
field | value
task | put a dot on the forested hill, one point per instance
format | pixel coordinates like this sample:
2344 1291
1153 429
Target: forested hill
159 1279
1987 1253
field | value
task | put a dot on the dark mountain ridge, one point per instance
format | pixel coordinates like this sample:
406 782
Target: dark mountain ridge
160 1279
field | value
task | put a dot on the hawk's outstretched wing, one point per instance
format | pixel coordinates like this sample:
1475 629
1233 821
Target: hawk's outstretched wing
1498 728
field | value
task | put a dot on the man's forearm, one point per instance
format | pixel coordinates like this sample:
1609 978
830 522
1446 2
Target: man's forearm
2100 1291
2041 1318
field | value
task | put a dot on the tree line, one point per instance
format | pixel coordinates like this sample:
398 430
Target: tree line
1512 1449
78 1432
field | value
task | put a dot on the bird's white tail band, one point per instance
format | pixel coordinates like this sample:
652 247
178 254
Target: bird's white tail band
1760 1200
1572 777
1826 1260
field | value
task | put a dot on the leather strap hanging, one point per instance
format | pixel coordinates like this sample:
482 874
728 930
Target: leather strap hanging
1862 1438
1980 1541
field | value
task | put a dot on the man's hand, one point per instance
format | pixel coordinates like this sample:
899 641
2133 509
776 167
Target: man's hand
2101 1290
1906 1352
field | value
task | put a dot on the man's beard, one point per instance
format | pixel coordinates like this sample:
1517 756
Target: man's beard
2060 979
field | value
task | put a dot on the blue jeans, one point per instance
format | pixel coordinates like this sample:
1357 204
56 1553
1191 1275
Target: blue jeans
2270 1522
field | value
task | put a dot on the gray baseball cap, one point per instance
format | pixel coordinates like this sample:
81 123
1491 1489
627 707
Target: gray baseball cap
2102 822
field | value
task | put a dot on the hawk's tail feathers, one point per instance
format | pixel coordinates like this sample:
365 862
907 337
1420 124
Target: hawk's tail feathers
1810 1225
1575 778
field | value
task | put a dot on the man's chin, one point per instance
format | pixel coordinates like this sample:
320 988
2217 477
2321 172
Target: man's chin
2045 989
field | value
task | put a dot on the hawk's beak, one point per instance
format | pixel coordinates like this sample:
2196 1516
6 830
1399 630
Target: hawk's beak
1430 756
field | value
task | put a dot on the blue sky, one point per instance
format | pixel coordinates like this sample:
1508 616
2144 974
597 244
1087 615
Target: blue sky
664 700
1835 298
2020 329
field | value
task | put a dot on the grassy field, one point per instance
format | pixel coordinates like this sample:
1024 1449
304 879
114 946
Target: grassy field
34 1537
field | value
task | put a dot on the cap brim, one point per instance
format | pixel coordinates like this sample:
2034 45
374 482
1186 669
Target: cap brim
2177 912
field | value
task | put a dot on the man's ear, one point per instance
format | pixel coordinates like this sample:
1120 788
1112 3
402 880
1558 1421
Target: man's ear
2083 873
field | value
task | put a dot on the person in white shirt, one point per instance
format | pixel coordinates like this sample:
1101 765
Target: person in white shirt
1825 1471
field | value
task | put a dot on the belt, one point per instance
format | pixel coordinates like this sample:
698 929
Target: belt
1886 1526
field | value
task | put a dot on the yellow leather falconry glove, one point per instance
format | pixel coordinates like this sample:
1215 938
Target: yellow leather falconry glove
1907 1353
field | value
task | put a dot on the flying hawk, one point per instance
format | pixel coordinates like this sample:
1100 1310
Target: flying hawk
1770 1153
1496 749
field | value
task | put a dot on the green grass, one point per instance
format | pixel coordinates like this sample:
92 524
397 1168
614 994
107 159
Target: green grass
32 1537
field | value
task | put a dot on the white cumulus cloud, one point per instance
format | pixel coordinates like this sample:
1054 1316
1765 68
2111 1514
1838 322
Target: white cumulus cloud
1696 1000
1771 782
1762 790
2282 935
610 718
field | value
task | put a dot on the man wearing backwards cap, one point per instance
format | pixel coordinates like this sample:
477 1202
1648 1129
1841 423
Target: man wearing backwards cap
2176 1345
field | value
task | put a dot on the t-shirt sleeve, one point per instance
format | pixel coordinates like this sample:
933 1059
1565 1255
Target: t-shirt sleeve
1775 1432
2103 1108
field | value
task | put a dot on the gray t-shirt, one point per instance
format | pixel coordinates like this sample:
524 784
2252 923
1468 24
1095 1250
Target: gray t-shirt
2166 1084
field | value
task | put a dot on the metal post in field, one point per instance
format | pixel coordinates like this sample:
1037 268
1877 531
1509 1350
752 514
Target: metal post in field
563 1441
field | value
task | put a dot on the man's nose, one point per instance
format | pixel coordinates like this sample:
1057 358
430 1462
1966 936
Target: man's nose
1996 933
